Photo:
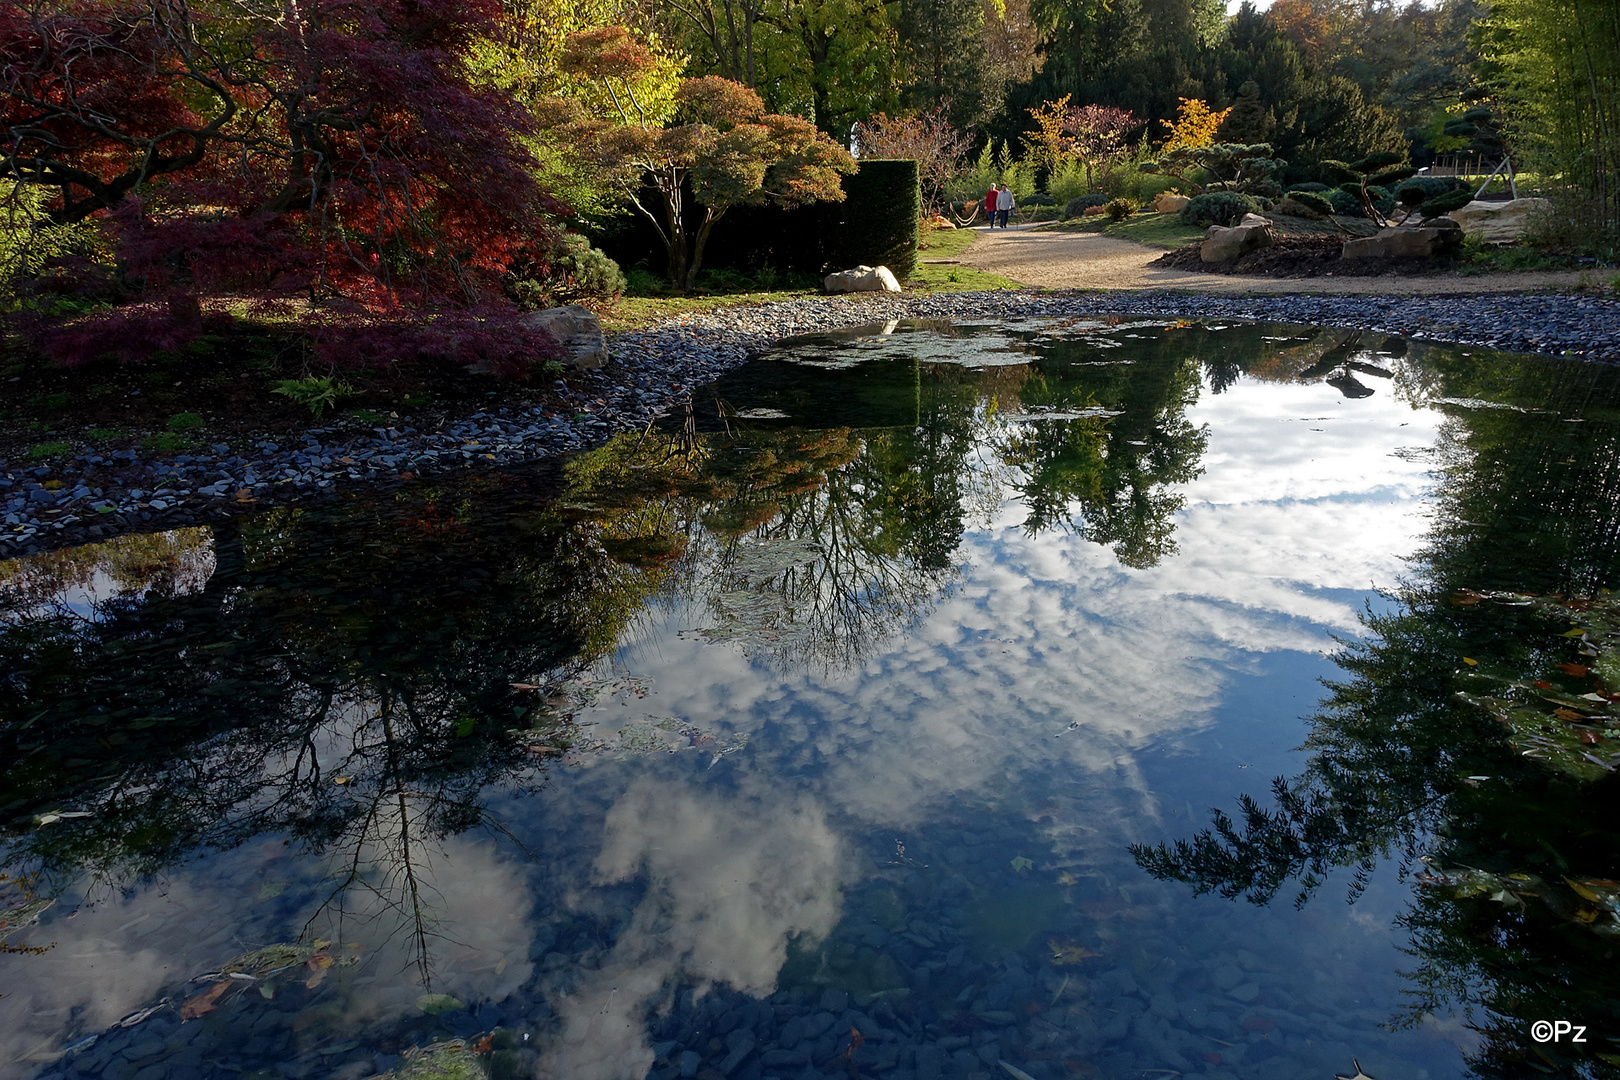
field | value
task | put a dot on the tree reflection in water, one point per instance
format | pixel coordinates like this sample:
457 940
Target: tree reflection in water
362 680
1512 918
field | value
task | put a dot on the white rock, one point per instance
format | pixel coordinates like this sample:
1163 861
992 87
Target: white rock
862 279
1497 222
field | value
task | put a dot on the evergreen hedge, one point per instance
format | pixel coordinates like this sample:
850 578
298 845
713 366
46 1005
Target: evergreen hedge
878 223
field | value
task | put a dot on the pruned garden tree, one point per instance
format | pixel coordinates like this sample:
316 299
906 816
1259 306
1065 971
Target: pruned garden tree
723 150
927 138
1251 169
1384 169
333 150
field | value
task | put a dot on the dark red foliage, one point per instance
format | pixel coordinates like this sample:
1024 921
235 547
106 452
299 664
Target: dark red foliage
332 150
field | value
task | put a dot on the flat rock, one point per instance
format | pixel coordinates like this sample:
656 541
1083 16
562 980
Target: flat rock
577 330
1223 244
1425 241
862 279
1498 222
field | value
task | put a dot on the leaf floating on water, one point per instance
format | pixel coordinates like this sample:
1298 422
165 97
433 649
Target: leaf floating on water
1022 865
434 1004
1066 952
205 1002
136 1017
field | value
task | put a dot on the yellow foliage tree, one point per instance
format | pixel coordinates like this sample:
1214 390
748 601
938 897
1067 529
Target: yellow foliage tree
1049 144
1194 126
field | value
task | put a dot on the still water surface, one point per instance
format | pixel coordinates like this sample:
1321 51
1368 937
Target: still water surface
1081 696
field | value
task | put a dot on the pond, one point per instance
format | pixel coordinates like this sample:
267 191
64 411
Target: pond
1056 699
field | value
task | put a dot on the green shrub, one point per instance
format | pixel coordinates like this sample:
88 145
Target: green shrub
317 393
49 449
1119 209
185 421
1218 208
1310 187
1081 203
1312 201
1345 203
1067 181
1040 200
1419 189
49 402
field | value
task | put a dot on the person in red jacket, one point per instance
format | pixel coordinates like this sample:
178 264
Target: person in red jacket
990 205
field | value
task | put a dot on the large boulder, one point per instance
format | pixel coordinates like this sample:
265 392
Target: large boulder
1498 222
1224 245
862 279
577 330
1169 202
1435 236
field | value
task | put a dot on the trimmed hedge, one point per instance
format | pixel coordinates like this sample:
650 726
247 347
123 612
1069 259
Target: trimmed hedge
1310 187
1218 208
878 225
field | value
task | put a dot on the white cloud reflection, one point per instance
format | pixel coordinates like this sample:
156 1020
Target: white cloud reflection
729 880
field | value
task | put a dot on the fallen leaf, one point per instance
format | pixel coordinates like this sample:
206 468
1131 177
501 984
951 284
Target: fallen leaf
855 1041
1066 952
1022 865
205 1002
1582 890
341 779
1578 670
1567 714
1470 661
1543 684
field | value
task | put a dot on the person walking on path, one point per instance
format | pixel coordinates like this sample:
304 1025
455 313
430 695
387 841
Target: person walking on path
1004 205
990 205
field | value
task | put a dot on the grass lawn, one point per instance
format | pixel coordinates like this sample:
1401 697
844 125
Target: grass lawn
938 271
943 275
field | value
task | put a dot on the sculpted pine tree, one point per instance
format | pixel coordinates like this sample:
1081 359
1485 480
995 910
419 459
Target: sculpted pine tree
725 149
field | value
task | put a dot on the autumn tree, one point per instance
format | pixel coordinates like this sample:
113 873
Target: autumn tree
927 138
329 149
724 150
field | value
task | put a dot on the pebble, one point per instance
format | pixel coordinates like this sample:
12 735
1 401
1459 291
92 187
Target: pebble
655 370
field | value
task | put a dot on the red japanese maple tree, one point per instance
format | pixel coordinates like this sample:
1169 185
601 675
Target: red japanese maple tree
334 150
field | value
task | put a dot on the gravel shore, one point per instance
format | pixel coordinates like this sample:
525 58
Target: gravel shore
654 371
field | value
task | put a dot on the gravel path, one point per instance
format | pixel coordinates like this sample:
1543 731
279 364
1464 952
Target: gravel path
1078 260
655 370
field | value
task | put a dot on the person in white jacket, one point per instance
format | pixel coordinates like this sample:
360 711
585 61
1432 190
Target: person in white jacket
1004 205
